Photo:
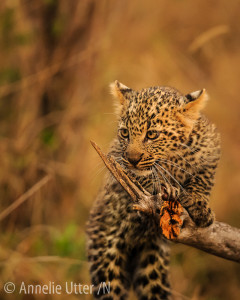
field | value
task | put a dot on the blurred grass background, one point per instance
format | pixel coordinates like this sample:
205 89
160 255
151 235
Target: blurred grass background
57 60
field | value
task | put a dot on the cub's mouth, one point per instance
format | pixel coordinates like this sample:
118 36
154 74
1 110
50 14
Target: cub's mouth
138 164
138 170
141 172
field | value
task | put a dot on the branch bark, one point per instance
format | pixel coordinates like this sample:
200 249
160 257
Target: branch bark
219 239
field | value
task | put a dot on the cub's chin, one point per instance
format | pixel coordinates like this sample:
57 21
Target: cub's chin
140 172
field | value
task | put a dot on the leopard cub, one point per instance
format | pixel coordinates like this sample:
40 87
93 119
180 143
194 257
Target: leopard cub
163 139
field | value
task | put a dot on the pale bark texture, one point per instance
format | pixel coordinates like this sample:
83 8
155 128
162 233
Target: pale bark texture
219 239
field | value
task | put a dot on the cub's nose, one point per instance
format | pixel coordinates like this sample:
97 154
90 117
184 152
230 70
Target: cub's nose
134 157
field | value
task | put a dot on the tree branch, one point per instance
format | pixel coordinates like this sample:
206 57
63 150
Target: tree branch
219 239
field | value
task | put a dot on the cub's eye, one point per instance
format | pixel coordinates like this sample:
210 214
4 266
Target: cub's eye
124 133
152 134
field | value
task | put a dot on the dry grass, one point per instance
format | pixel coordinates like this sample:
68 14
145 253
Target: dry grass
57 60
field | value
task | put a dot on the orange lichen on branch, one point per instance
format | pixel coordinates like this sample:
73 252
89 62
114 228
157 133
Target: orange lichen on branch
170 221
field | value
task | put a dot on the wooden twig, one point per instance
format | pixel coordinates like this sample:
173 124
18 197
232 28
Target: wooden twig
219 239
134 190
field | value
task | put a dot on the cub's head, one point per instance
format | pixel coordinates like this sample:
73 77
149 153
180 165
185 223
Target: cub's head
154 123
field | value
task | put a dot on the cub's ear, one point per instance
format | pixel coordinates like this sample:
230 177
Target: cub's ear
196 101
119 91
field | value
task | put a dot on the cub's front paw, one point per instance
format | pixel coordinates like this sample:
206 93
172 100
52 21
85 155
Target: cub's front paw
171 192
202 216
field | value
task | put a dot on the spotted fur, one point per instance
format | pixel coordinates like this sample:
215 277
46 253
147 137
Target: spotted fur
162 139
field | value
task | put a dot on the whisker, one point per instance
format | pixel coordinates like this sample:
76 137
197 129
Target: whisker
153 180
186 146
97 173
176 165
110 113
163 176
100 169
157 179
181 187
